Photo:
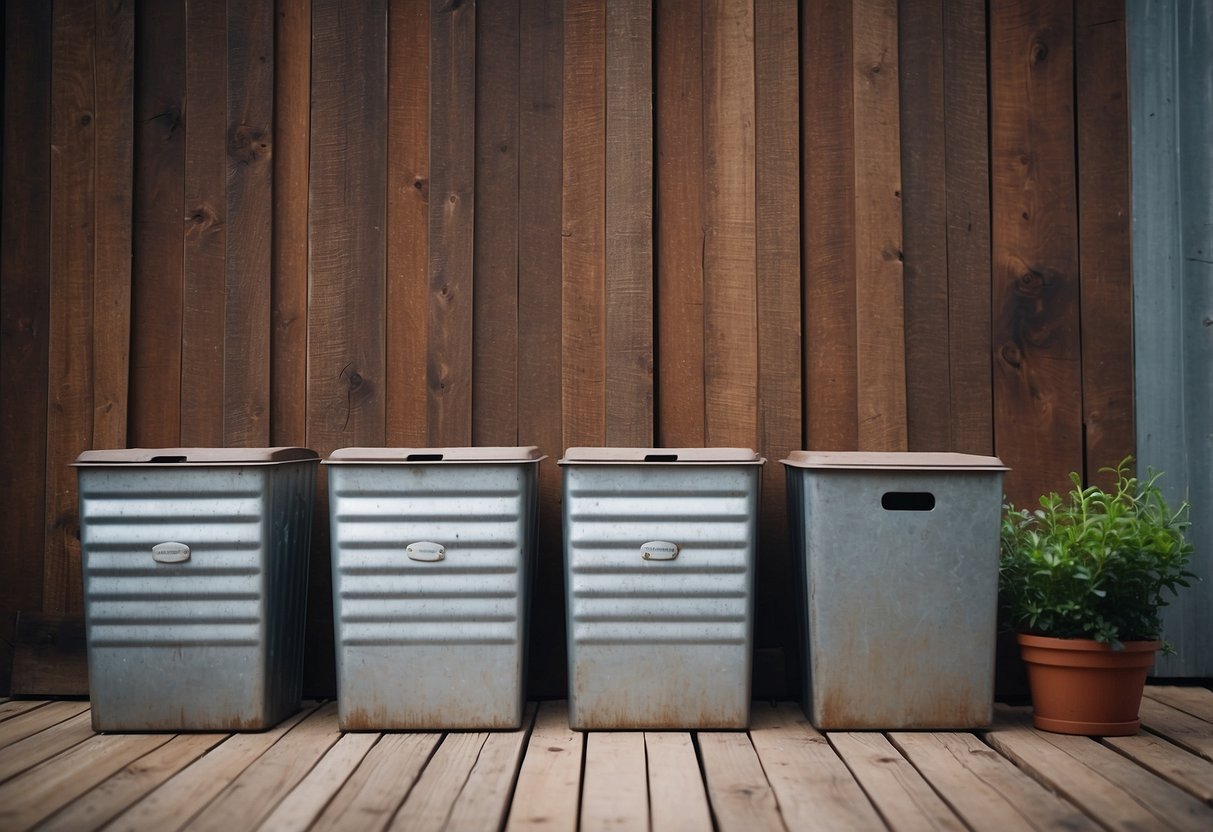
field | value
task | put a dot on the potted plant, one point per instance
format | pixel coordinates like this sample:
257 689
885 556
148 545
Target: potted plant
1082 580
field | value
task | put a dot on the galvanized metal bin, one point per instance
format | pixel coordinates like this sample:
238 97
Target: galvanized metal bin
660 547
898 559
432 564
195 580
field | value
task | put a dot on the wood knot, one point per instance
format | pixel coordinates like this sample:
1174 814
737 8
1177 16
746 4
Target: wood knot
1040 51
86 120
1012 356
248 145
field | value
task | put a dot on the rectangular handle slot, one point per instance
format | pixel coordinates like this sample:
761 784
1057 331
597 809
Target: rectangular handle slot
907 501
424 458
661 457
168 459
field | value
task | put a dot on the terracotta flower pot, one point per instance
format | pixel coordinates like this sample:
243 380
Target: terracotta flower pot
1080 686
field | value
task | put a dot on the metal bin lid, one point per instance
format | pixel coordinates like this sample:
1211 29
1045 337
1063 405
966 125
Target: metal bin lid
412 456
893 461
680 456
194 456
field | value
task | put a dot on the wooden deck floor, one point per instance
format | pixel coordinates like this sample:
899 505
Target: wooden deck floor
56 774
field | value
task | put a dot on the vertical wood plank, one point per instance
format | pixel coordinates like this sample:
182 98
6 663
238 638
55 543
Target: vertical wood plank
1105 276
679 224
780 428
203 330
347 211
157 292
968 232
629 223
549 778
1037 377
495 313
69 415
741 795
880 306
677 799
250 200
920 31
408 220
614 791
346 218
583 230
730 243
114 118
452 215
539 302
24 306
289 246
827 138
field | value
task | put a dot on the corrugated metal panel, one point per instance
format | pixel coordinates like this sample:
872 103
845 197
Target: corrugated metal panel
1171 89
214 642
431 644
656 642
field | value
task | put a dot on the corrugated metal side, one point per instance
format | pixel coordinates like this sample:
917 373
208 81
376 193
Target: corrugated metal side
1171 112
211 643
430 645
660 643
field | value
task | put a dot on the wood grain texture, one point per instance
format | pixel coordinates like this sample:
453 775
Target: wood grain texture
1105 268
495 308
1037 373
289 247
300 808
680 187
346 226
431 800
1196 701
187 791
257 790
29 752
828 228
408 221
485 799
30 797
69 413
540 133
1170 762
741 796
549 780
157 292
968 226
27 724
984 789
1181 728
879 282
1102 783
24 306
777 237
924 198
376 789
452 216
100 805
205 229
113 133
629 223
614 791
50 656
730 243
898 791
677 799
813 786
250 199
583 228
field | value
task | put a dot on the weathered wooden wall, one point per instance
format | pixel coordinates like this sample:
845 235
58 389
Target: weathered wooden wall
1171 79
404 222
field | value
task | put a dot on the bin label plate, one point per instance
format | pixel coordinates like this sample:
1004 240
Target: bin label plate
426 551
659 550
170 553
